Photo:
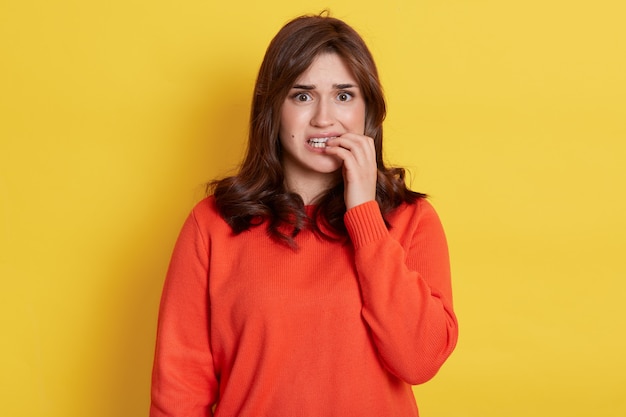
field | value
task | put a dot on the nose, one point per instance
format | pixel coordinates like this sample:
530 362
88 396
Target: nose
323 114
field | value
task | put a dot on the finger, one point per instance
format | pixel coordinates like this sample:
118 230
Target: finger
360 147
359 158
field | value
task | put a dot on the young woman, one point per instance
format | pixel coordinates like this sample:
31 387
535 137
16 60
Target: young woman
314 282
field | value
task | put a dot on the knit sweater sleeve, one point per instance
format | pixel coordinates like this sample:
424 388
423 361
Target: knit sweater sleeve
406 291
183 379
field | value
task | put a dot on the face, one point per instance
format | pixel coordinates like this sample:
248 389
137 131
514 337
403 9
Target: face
324 102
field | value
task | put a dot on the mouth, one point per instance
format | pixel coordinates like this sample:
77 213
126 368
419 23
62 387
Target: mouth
319 142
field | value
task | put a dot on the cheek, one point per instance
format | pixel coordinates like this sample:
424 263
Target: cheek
353 119
285 125
289 120
358 120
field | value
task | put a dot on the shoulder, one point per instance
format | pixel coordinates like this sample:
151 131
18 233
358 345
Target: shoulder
205 207
415 218
207 217
418 225
420 210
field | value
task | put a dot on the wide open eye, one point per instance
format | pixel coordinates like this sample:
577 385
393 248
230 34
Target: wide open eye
344 96
301 97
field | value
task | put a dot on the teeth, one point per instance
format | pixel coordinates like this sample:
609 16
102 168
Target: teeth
319 142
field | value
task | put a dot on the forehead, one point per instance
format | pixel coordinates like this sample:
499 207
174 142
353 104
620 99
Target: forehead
328 68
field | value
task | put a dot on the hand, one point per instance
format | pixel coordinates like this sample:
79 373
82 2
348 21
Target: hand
359 166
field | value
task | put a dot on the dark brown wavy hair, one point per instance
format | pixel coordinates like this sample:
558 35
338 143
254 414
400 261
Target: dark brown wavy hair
257 194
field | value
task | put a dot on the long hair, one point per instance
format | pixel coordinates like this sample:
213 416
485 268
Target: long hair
257 194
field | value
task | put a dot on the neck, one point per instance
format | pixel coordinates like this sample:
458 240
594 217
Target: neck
310 189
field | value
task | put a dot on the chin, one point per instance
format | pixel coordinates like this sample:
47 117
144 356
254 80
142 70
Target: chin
329 169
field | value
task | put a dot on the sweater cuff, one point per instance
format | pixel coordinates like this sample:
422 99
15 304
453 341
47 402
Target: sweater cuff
365 224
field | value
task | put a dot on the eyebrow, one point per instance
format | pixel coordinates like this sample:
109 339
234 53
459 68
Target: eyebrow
335 86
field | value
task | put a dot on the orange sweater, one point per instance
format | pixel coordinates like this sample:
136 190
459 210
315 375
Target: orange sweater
250 327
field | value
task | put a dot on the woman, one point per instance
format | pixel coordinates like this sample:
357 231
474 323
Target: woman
314 282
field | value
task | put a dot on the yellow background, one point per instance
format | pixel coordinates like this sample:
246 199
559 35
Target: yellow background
510 114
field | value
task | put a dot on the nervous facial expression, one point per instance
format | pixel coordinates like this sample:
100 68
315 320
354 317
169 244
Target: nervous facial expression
324 102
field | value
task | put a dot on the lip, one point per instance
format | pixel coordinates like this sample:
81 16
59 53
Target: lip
318 142
323 135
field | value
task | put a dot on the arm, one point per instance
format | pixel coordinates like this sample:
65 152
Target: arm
183 379
407 296
406 291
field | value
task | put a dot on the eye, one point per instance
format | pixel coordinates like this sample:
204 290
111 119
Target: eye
301 97
344 96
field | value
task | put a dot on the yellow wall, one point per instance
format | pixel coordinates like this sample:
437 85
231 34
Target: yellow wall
511 114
